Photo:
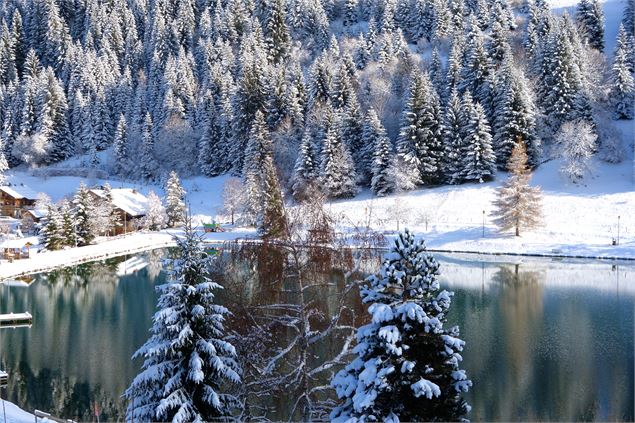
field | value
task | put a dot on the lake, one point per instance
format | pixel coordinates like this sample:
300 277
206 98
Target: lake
545 340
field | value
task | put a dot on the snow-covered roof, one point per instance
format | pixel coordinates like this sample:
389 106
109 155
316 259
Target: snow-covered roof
19 242
38 213
127 199
19 191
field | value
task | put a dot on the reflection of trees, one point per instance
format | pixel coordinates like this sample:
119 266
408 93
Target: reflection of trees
86 320
293 324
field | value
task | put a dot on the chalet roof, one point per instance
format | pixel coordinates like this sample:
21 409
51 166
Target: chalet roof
19 242
127 199
37 213
19 191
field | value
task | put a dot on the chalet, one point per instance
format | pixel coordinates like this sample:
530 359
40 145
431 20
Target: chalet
18 248
32 219
129 204
14 199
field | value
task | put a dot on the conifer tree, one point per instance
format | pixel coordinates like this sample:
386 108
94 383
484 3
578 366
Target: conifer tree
420 143
277 33
174 200
259 147
406 365
120 146
147 162
518 205
82 215
454 132
67 228
306 168
382 171
479 161
50 235
188 362
590 16
273 222
623 85
337 170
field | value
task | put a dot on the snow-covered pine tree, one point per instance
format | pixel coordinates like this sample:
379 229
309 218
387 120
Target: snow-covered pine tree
629 17
147 162
306 170
276 32
590 16
82 215
420 145
67 226
337 170
406 365
479 161
155 218
259 147
454 128
50 235
188 362
273 223
382 170
120 147
518 205
622 83
175 200
515 115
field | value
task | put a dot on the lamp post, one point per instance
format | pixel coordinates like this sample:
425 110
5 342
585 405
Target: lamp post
483 223
618 230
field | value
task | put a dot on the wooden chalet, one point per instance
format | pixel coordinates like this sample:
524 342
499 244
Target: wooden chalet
129 204
14 199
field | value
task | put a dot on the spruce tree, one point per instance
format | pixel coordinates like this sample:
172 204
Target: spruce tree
50 235
306 170
479 161
622 83
406 363
174 200
82 215
337 170
454 132
67 227
277 33
259 147
272 224
518 205
590 17
120 147
188 362
382 171
148 165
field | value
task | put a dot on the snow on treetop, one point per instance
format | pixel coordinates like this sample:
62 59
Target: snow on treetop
127 199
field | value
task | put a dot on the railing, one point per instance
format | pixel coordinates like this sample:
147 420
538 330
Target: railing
42 415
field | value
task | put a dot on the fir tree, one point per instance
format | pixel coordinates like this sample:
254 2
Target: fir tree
50 235
82 215
67 228
623 85
337 170
277 33
518 205
306 168
591 19
120 146
479 161
147 162
420 143
187 361
454 128
406 365
273 222
259 147
174 200
382 181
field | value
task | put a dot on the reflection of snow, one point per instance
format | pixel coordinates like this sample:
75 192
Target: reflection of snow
601 276
131 266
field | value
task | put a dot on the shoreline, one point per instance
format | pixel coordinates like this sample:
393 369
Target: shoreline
145 241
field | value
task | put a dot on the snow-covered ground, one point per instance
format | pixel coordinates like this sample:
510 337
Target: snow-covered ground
11 413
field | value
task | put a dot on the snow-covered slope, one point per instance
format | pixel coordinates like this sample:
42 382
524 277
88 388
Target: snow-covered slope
15 414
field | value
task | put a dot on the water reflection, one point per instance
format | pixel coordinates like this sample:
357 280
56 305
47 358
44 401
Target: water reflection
545 340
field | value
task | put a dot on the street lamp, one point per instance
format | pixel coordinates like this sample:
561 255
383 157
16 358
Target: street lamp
618 230
483 223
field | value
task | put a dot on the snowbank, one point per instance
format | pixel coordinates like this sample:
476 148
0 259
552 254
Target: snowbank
14 414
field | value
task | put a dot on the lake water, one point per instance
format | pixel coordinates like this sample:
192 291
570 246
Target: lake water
546 340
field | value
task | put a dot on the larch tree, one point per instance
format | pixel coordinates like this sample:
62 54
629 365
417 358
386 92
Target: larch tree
175 200
406 363
518 205
576 142
188 362
156 217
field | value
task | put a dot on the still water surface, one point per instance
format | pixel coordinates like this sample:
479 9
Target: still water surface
545 340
